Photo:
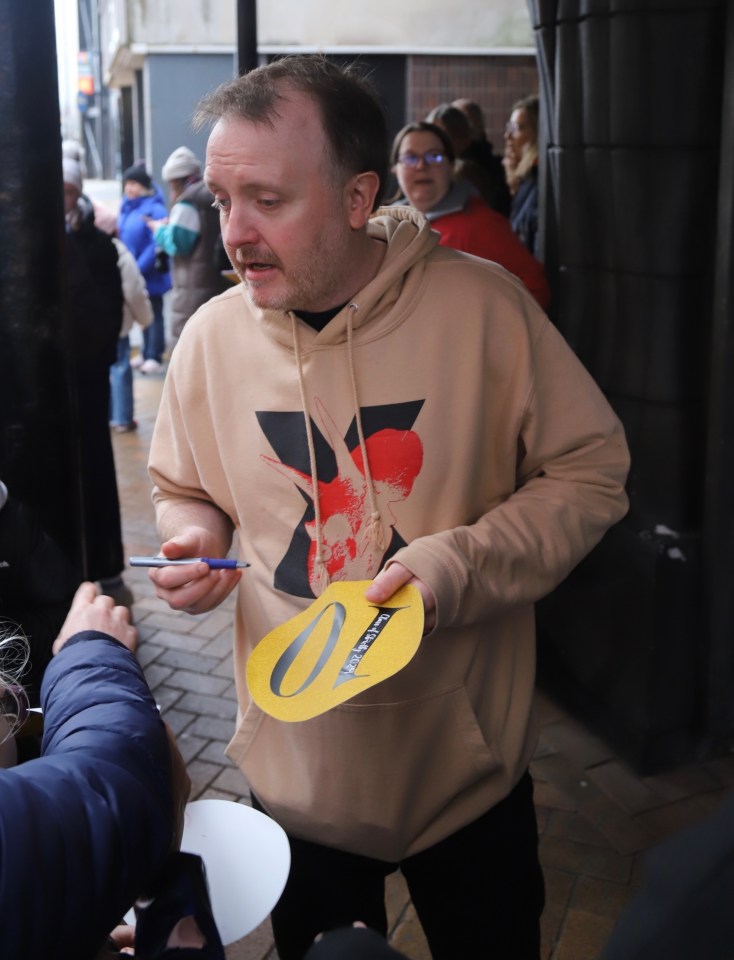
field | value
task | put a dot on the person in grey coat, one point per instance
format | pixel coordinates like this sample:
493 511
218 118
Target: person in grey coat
191 237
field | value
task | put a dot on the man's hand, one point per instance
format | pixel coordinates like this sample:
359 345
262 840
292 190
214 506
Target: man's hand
195 588
154 224
90 610
388 581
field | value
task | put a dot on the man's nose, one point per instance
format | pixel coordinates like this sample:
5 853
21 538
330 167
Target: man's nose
238 229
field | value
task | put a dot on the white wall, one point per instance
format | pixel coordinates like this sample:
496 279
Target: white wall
409 25
412 24
189 22
67 49
131 29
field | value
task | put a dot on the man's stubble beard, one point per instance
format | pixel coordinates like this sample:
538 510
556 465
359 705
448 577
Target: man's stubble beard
313 284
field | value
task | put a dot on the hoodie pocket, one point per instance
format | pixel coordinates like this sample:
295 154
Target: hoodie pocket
366 777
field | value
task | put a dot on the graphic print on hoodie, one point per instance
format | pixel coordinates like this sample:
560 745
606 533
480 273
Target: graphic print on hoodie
395 457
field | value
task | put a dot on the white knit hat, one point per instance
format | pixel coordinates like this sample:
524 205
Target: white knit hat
72 173
75 151
181 164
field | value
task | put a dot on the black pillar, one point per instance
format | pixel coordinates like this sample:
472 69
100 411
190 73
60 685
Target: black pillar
246 35
718 529
38 456
638 640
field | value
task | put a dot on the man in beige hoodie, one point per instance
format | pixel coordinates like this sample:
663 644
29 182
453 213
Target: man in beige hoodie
369 405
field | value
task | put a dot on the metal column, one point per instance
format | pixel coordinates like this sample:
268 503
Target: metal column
38 455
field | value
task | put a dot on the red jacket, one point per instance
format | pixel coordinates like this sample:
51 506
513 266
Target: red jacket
479 230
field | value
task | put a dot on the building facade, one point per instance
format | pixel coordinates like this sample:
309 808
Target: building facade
158 58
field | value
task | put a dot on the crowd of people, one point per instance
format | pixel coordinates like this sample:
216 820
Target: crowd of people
121 268
387 401
479 202
171 260
423 158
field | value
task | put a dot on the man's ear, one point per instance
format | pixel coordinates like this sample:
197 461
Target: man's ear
360 191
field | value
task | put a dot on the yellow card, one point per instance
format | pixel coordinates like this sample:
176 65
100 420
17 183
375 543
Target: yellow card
336 648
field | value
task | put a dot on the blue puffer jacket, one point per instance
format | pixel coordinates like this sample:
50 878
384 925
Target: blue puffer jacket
86 827
138 237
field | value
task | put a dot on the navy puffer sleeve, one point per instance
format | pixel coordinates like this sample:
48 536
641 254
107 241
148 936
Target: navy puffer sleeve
85 828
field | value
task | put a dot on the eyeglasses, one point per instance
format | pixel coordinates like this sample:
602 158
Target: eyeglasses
511 129
431 158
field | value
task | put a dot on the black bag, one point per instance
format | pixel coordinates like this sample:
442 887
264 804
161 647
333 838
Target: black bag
161 261
181 892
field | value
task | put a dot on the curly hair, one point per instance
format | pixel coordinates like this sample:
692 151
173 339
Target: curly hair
14 657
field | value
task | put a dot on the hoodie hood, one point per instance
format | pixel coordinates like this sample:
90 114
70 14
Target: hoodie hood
409 239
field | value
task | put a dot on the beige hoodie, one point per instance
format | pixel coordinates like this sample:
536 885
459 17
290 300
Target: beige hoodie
489 465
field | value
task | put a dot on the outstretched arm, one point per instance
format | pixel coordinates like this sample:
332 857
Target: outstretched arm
86 827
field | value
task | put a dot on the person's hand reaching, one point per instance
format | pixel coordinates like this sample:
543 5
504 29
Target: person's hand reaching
91 610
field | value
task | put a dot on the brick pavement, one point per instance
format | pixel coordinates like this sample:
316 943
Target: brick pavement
596 816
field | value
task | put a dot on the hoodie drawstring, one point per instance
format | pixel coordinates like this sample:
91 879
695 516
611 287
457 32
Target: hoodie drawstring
322 573
373 527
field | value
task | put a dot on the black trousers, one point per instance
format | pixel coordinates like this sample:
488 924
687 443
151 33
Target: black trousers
353 943
479 893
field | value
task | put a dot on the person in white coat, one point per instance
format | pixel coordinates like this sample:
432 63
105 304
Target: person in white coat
136 309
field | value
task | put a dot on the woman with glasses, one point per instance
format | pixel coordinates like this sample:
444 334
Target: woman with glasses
423 162
521 169
86 827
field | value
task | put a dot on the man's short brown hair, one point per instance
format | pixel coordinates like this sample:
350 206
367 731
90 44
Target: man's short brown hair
354 122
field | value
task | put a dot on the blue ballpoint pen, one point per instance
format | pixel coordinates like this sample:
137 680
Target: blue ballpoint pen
216 563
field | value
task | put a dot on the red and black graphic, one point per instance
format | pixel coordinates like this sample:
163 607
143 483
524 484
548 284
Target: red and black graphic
395 455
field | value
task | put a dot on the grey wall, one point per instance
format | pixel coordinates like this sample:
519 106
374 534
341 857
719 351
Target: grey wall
174 84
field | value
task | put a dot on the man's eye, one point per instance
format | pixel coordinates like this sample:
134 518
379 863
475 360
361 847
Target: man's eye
268 202
220 203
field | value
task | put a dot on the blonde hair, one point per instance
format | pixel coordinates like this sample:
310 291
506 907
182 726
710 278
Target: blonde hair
531 108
